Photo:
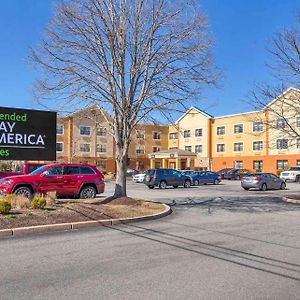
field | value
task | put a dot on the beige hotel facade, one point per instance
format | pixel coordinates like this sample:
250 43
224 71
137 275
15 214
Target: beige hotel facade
197 140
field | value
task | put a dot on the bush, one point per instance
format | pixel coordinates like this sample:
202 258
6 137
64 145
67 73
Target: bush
38 202
5 207
17 202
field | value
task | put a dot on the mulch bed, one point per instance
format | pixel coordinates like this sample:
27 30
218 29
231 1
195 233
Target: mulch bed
66 212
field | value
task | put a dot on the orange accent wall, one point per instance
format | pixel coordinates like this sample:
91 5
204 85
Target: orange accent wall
269 162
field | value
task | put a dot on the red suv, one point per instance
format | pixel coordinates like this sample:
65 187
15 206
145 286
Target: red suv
84 181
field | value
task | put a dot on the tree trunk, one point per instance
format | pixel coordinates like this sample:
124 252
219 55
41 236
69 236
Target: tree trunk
120 188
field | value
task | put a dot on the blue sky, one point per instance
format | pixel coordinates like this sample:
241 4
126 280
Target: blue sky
241 30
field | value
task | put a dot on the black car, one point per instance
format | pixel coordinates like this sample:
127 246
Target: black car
224 171
236 174
166 177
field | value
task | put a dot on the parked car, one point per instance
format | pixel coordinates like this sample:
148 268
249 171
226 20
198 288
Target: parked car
139 177
166 177
224 171
21 169
82 180
131 172
262 181
292 174
205 177
236 174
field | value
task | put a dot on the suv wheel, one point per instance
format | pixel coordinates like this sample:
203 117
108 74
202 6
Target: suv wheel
187 184
196 182
216 181
87 192
162 184
238 177
24 191
151 187
298 178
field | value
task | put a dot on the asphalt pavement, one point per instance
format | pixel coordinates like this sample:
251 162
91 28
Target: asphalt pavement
222 248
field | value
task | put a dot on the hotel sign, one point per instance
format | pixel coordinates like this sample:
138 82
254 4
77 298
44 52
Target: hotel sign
27 134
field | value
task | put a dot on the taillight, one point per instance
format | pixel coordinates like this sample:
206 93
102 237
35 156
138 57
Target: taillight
257 178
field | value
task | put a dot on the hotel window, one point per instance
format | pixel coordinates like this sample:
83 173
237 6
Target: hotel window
298 143
220 147
101 148
282 144
238 147
238 128
59 147
187 134
221 130
173 135
140 134
258 146
85 148
155 149
281 123
101 131
198 132
258 126
198 148
59 129
156 135
258 165
238 164
85 130
101 164
188 148
140 150
282 164
298 121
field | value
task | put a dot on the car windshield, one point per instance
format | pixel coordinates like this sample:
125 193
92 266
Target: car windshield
38 170
294 169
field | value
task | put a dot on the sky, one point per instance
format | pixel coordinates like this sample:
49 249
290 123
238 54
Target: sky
241 30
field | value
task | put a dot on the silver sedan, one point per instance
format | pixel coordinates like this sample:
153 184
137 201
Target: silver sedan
263 181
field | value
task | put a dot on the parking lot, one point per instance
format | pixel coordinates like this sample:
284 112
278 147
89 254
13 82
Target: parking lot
227 189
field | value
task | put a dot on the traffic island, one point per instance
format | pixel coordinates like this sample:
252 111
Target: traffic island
70 215
295 199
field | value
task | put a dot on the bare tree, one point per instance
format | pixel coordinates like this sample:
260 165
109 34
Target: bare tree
281 102
134 58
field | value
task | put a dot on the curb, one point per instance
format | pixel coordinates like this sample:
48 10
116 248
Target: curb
289 200
23 231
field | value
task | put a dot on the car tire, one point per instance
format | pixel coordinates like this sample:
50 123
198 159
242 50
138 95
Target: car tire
175 186
187 184
246 189
151 187
297 179
196 182
24 191
162 184
238 177
283 186
263 187
216 181
88 192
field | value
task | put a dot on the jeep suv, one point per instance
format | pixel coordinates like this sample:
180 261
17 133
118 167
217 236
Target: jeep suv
166 177
292 174
81 180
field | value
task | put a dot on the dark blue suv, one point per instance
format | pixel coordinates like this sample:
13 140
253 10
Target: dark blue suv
166 177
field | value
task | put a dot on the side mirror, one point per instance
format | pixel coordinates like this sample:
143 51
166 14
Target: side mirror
45 174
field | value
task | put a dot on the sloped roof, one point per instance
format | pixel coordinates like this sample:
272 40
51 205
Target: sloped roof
198 110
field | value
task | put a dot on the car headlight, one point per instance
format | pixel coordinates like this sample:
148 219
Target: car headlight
7 181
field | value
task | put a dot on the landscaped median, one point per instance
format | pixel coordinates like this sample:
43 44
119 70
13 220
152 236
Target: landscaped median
292 199
76 214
